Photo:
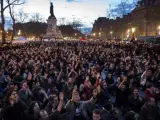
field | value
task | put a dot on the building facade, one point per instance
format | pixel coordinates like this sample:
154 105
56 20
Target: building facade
145 18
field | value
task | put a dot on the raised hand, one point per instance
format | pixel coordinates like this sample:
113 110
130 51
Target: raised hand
61 96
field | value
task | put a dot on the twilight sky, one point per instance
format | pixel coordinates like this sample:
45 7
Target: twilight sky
85 10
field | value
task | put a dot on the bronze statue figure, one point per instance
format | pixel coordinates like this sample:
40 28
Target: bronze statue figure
51 10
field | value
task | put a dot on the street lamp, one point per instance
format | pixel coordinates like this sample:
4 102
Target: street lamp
94 34
19 32
159 30
99 34
111 32
128 33
133 32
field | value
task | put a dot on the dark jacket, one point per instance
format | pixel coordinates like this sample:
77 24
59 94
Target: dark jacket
15 112
135 104
149 113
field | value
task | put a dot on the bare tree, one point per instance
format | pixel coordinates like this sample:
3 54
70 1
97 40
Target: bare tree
77 24
12 14
121 9
21 16
36 17
4 5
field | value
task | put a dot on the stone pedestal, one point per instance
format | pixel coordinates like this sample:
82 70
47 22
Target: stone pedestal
52 29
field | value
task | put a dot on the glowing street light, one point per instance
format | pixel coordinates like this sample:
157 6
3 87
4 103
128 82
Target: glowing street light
159 30
99 34
111 32
133 30
19 32
94 34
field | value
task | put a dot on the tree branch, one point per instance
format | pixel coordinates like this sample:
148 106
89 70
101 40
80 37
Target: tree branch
12 3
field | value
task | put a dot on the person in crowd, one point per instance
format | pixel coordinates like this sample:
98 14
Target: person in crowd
33 111
91 74
131 115
78 109
136 101
43 115
96 115
149 110
122 95
13 107
25 93
104 95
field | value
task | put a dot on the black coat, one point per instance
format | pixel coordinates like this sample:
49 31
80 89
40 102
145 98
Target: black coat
15 112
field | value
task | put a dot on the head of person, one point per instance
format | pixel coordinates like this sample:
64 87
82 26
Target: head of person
108 106
75 96
131 115
29 76
127 68
151 102
37 84
12 96
24 85
34 108
104 84
87 77
43 115
149 73
88 84
8 79
10 85
53 100
96 114
70 80
135 92
17 73
109 75
49 80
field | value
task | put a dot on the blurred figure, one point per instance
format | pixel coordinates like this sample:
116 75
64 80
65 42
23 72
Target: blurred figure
149 110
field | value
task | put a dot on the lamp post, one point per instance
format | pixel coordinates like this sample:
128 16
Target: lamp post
100 34
111 33
128 34
19 32
94 34
133 33
159 30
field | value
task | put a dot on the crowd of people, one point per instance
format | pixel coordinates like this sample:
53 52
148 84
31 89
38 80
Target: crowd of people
79 80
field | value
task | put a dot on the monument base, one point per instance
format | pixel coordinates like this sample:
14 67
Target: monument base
52 29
